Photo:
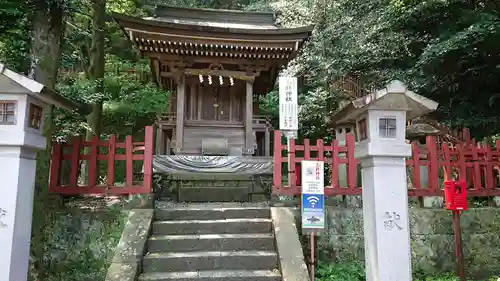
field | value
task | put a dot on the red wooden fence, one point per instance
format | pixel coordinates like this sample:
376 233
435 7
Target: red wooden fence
477 164
68 158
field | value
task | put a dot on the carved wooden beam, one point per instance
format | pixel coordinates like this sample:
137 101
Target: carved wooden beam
263 63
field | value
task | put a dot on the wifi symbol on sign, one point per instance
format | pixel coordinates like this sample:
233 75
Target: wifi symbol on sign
312 200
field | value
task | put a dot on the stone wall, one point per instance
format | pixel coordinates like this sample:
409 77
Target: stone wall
79 244
431 237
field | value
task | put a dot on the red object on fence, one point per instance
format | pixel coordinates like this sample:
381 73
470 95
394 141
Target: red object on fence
134 151
477 165
298 172
455 195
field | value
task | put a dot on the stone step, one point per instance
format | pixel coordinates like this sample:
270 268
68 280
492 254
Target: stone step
232 260
227 226
211 242
223 275
211 213
214 194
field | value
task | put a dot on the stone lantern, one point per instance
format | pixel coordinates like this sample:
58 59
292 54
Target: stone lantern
380 119
22 102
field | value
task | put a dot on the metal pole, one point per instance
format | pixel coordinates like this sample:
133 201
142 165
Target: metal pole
313 255
457 231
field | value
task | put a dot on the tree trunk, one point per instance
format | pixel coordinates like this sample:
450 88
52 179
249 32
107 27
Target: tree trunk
96 72
97 63
46 41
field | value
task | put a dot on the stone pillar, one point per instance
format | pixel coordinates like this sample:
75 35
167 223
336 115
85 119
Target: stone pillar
249 118
385 216
382 153
17 171
179 121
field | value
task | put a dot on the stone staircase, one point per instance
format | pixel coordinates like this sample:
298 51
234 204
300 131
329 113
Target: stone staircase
216 242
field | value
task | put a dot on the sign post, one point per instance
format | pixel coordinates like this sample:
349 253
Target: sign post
455 197
313 202
289 120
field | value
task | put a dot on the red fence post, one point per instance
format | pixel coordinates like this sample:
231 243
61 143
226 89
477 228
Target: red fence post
129 171
488 169
110 181
291 173
475 175
93 169
335 163
415 162
298 165
307 149
321 153
148 159
461 162
321 149
432 160
447 162
278 148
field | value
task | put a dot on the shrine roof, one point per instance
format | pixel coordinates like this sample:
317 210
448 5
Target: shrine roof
216 18
208 32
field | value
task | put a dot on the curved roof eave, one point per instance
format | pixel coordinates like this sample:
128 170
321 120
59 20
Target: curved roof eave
301 32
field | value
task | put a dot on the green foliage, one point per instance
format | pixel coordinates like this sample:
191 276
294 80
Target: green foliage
130 103
354 271
444 50
11 15
14 29
80 246
340 272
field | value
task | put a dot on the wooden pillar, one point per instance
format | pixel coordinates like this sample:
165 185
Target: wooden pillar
168 144
267 142
249 118
193 110
159 140
231 103
200 102
179 121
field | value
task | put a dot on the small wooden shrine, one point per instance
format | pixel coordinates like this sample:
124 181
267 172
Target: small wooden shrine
215 64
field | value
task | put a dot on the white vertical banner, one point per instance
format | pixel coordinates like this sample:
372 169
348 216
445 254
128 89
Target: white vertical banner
289 120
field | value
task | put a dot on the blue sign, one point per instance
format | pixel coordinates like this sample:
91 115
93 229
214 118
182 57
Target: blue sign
313 201
313 211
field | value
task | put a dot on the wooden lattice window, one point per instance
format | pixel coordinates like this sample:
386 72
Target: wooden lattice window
35 117
363 129
8 112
